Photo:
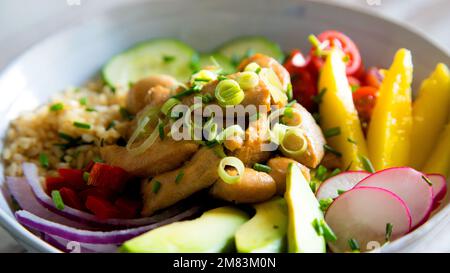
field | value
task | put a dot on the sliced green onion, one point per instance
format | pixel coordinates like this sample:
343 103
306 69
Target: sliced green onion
111 125
277 133
316 117
330 149
125 114
248 80
43 160
206 98
210 129
331 132
252 67
294 142
56 107
66 137
388 235
86 176
274 85
221 77
83 101
352 141
287 112
147 143
233 130
168 105
317 227
82 125
334 172
262 168
228 92
168 59
367 164
179 177
339 191
161 130
156 186
195 62
204 76
318 98
327 232
426 179
57 200
232 162
290 92
98 160
218 151
354 245
90 109
321 173
325 203
291 103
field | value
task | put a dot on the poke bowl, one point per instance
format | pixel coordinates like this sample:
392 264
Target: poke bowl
119 134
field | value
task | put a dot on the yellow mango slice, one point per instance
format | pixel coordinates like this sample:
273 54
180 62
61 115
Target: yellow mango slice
390 127
338 111
430 114
439 161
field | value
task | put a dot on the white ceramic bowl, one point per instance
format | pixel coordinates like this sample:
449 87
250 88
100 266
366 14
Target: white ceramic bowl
73 56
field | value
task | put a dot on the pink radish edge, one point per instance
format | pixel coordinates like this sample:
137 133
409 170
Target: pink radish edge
439 186
417 218
331 179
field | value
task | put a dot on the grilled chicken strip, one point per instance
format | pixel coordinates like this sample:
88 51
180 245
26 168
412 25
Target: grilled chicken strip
164 190
153 90
279 166
253 187
162 156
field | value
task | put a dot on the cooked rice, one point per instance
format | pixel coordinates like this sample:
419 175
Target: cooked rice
37 132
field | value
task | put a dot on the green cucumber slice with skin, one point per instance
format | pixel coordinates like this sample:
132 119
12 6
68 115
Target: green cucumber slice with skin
224 62
238 49
157 56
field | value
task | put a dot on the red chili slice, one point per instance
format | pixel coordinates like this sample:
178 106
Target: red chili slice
338 39
70 198
73 177
102 208
108 177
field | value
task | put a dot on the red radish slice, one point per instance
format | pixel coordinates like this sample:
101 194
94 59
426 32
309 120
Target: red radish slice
439 186
343 181
409 185
362 214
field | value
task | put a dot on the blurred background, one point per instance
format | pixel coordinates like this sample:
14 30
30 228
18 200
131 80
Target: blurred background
24 22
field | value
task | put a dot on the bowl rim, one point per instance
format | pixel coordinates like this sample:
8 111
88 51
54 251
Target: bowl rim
33 243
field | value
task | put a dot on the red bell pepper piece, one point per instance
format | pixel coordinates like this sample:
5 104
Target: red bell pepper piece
70 198
102 208
108 177
128 208
73 177
54 183
98 192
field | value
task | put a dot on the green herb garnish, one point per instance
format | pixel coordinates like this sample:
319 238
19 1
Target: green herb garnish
426 179
179 177
156 186
90 109
354 245
321 173
82 125
325 203
125 114
389 228
161 130
195 63
86 176
352 141
289 91
65 136
56 107
57 199
83 101
43 160
331 132
262 168
318 98
327 232
332 150
367 164
339 191
168 59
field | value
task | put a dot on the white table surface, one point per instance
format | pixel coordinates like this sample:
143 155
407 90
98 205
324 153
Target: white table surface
24 22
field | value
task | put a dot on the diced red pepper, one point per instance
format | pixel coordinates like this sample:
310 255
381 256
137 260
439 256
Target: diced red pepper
128 208
102 208
354 83
373 77
89 166
73 177
70 198
98 192
108 177
54 183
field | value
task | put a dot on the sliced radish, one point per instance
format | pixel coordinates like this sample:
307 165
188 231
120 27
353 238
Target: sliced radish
439 186
409 185
362 214
343 181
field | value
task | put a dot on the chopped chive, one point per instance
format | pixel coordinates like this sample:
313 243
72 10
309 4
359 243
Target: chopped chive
426 179
389 228
125 114
257 70
275 227
218 151
56 107
83 101
354 245
316 225
289 92
98 160
346 59
179 177
349 166
367 164
168 59
334 172
321 173
43 160
325 203
156 186
262 168
291 103
111 125
288 112
316 117
332 150
318 98
57 200
331 132
250 52
86 176
90 109
130 85
81 125
339 191
354 87
221 78
206 98
313 184
195 63
327 232
352 141
66 137
183 94
161 130
202 80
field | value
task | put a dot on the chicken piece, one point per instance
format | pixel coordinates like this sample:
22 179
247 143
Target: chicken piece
331 161
233 143
154 89
279 166
314 137
256 136
268 62
162 156
253 187
164 190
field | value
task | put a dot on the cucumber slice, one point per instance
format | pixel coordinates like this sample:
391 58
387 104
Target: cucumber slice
158 56
224 62
237 49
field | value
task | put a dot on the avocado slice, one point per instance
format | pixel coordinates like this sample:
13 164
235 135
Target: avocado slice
212 232
266 231
303 209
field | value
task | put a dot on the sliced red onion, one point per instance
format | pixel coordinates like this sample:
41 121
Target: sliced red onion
93 237
21 191
77 247
31 173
